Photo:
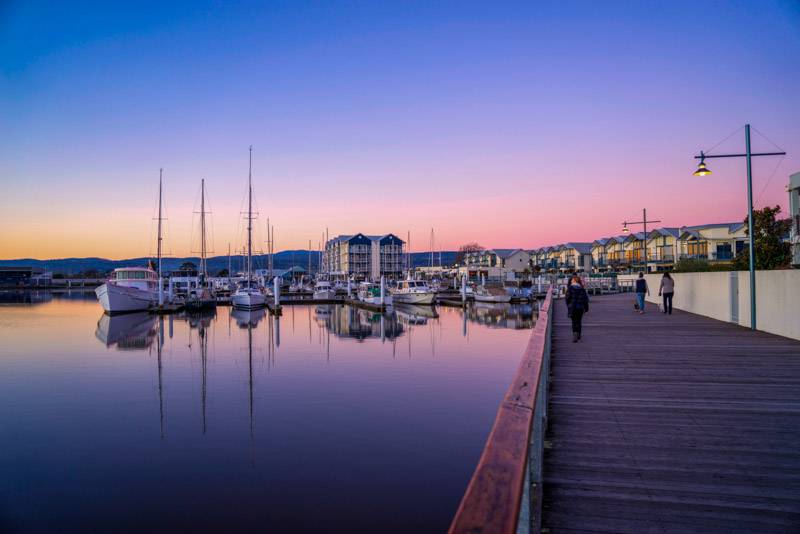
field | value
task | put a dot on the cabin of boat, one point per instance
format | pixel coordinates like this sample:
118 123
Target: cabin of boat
143 278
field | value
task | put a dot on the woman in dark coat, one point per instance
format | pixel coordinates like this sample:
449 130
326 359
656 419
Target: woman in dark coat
577 304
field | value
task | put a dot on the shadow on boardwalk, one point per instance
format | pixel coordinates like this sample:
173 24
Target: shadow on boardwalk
676 423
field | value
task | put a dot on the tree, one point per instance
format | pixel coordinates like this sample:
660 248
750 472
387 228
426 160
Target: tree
223 273
771 251
188 266
466 249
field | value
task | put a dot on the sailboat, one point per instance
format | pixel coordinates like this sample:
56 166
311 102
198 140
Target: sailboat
201 297
248 297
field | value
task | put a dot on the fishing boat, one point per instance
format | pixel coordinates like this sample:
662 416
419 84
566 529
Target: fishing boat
323 290
129 289
413 292
247 296
201 297
370 293
491 294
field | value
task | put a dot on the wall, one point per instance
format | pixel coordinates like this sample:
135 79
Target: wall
709 294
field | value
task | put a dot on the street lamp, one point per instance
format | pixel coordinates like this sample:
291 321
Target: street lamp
644 221
703 171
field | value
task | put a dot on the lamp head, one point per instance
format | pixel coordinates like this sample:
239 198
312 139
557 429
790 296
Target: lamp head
701 169
625 228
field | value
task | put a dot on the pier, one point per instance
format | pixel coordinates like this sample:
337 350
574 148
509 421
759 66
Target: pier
654 423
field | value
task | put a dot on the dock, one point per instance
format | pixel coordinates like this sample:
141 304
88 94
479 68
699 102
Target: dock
670 423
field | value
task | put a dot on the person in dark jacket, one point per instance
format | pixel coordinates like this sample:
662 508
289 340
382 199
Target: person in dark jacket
641 289
577 304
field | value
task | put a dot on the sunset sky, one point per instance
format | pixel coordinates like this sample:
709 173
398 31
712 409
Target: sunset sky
510 124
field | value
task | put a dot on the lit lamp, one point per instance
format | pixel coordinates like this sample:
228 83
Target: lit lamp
625 228
644 221
703 171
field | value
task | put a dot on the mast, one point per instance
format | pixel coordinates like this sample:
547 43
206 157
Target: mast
249 217
160 366
202 228
204 368
269 252
309 261
160 172
250 381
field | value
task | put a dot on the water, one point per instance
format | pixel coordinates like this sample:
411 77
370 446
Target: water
329 418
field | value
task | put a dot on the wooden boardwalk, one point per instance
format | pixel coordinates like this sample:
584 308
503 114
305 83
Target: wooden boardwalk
676 423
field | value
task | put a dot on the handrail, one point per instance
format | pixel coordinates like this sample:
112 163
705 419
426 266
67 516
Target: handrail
495 494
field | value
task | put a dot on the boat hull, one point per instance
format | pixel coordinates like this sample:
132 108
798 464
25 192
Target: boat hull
327 294
248 300
387 300
415 298
493 298
120 299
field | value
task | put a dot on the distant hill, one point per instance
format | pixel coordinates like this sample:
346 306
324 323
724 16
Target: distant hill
283 260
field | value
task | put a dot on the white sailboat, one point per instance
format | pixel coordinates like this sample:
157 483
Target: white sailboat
248 297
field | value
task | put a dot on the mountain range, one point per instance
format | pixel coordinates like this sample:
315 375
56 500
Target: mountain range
283 260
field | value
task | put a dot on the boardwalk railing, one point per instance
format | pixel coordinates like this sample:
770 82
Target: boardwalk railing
504 495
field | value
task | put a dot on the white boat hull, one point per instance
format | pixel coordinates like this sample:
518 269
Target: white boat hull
415 298
326 294
492 298
248 300
387 300
120 299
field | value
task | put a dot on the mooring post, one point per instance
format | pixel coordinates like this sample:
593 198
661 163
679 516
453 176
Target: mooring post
383 291
160 291
277 291
169 285
464 288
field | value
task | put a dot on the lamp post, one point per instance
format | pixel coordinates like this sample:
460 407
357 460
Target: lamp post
644 221
703 171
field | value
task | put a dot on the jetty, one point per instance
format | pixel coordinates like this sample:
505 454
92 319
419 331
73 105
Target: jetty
653 423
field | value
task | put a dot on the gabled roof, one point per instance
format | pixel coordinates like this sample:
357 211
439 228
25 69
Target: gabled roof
615 240
504 253
691 234
600 242
732 227
666 232
635 236
580 248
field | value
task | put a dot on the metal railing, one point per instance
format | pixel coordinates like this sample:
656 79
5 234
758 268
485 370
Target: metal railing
504 495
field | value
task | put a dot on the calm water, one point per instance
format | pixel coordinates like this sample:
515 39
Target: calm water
326 419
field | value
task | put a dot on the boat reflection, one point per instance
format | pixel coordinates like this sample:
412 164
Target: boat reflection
503 315
248 318
412 314
348 322
133 331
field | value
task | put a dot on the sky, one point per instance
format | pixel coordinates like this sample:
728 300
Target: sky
508 124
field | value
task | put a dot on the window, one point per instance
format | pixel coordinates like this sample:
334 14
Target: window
724 251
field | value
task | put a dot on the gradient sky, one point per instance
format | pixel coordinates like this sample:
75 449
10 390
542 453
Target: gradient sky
510 124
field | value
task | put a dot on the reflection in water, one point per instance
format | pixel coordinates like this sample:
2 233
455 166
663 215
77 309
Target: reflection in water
504 315
187 419
25 297
132 331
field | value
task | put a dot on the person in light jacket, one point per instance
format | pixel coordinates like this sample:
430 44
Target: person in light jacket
641 289
667 288
577 304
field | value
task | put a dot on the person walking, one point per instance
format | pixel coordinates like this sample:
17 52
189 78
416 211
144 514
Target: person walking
641 289
668 288
577 304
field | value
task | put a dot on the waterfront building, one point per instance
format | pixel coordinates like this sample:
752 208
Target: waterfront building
598 252
364 256
25 276
713 242
498 264
575 256
614 251
633 248
794 213
662 247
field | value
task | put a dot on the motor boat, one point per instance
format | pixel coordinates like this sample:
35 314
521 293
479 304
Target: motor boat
370 293
129 289
491 294
413 292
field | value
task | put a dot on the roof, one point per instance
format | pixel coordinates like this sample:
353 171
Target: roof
732 227
600 242
666 232
504 252
635 236
617 239
580 248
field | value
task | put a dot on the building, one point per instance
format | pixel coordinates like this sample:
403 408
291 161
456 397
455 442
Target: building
364 256
662 247
794 213
25 276
498 264
575 256
598 251
713 242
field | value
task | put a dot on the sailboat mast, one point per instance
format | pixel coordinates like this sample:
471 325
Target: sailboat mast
202 227
160 172
269 252
249 216
250 373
